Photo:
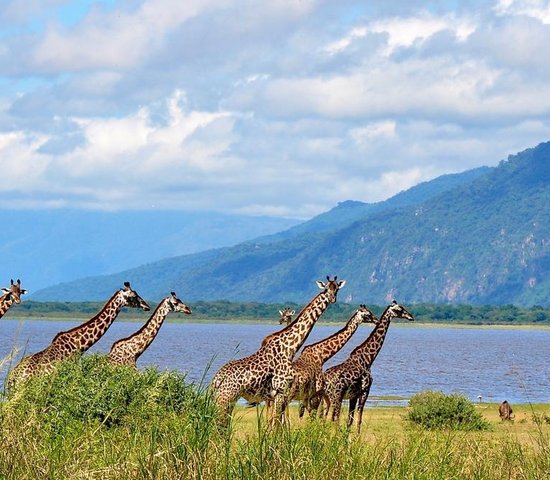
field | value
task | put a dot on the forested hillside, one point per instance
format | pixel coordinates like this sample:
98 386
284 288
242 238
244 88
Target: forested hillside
486 241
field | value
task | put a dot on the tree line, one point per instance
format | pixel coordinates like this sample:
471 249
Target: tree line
226 310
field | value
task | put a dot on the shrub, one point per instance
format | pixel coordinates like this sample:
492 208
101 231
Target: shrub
90 389
435 410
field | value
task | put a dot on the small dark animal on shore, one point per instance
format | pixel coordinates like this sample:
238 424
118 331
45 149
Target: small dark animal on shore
505 411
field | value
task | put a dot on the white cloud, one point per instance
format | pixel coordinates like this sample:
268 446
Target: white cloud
404 32
284 107
19 162
539 9
364 134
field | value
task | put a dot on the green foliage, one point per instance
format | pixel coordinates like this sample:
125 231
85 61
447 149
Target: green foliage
435 410
225 310
90 390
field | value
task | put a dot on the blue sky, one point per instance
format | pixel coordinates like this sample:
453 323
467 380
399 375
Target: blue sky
280 108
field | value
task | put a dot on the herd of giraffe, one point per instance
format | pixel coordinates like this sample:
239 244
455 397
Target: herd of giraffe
271 374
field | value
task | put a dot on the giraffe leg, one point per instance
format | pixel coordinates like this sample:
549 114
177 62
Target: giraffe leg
315 402
362 401
337 406
224 415
352 404
325 406
278 410
268 408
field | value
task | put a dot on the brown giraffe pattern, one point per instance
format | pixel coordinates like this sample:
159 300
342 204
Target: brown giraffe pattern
127 350
308 382
11 295
77 339
352 379
267 374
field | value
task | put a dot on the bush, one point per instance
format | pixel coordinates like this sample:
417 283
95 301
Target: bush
435 410
90 389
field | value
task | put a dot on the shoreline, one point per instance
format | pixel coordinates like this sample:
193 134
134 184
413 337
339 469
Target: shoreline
274 322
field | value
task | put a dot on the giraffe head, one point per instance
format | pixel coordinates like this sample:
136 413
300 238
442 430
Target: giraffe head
397 311
365 315
15 291
331 287
132 299
176 305
286 316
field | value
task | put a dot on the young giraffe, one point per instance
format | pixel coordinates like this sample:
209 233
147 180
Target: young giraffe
11 295
286 319
267 374
352 379
286 316
127 350
77 339
308 380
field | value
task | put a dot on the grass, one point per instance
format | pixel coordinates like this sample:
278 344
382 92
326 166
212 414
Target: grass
93 421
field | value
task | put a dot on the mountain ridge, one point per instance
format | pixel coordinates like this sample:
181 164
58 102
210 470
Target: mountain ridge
433 251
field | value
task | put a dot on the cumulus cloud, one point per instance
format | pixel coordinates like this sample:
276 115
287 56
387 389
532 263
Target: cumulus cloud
282 108
539 9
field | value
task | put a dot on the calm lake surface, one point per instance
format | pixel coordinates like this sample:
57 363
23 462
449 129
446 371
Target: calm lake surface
495 363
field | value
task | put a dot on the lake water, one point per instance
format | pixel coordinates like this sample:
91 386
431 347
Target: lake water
495 363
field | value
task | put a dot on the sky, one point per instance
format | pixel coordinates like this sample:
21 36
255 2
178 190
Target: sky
280 108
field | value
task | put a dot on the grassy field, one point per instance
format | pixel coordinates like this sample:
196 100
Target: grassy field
93 421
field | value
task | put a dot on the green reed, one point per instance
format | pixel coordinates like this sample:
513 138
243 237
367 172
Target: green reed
90 420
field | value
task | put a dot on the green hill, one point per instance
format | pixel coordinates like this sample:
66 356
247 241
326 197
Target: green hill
483 241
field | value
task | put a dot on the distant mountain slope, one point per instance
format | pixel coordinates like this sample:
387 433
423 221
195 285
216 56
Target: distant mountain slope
44 247
345 213
485 241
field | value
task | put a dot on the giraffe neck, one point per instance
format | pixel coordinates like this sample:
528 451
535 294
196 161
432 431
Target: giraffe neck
294 335
137 343
5 304
330 346
82 337
368 350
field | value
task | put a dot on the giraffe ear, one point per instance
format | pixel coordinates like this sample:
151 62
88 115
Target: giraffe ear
173 294
7 290
292 313
23 291
341 284
320 284
127 284
281 312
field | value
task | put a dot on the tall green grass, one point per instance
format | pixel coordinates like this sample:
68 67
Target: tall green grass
90 420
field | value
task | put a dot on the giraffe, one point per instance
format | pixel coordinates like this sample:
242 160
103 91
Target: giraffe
352 379
11 295
308 368
77 339
127 350
285 319
286 316
267 373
